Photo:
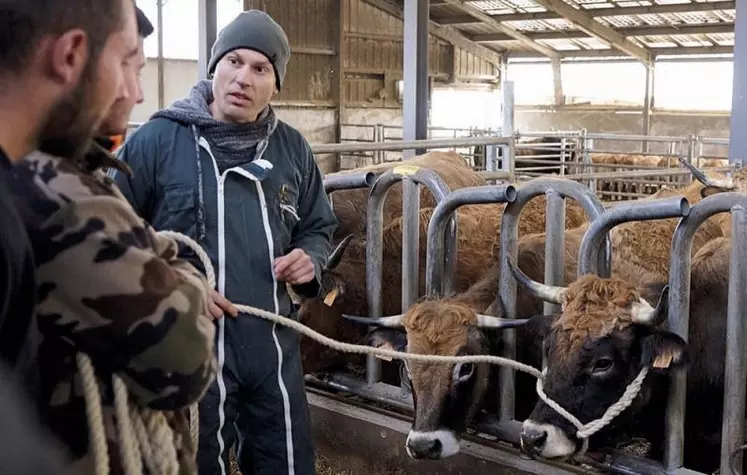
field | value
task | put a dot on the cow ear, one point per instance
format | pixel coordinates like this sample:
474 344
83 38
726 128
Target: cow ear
709 190
664 351
387 338
332 288
539 326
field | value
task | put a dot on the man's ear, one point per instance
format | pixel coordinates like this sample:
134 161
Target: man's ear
68 55
664 351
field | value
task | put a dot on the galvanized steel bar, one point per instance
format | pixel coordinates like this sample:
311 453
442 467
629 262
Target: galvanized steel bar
738 121
509 247
375 238
207 32
735 376
634 138
410 144
439 273
679 312
348 181
588 258
554 244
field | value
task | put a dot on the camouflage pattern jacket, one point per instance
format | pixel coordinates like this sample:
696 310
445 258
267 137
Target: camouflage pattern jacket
109 286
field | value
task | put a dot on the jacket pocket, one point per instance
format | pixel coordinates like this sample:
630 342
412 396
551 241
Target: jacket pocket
179 204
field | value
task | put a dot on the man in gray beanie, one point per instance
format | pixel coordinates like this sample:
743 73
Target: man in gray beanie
220 167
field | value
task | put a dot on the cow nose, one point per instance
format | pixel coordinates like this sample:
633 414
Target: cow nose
533 440
423 448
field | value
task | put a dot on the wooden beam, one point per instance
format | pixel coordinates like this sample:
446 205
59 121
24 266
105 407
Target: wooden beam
586 23
613 53
598 12
501 28
447 34
698 29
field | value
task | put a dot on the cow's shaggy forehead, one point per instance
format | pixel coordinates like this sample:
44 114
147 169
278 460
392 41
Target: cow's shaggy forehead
593 308
438 327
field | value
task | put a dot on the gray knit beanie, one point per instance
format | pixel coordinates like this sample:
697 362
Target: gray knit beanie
255 30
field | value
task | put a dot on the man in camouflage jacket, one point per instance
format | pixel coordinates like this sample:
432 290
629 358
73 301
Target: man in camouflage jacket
110 287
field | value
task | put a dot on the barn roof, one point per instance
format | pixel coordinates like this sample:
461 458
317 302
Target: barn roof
643 29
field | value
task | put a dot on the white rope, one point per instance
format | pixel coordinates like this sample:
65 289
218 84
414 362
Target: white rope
145 436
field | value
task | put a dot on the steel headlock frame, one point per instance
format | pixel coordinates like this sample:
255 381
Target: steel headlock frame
594 257
678 321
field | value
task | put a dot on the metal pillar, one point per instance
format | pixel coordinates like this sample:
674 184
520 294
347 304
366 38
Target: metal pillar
207 15
648 104
416 72
161 62
415 126
737 137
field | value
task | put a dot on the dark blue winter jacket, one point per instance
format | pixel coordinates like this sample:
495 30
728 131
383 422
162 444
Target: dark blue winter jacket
242 219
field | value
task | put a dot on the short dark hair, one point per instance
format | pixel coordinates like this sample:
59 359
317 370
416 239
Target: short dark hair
23 23
144 26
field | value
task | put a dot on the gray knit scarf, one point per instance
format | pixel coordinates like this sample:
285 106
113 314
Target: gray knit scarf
231 144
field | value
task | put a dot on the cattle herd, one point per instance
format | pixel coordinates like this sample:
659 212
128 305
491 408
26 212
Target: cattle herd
606 331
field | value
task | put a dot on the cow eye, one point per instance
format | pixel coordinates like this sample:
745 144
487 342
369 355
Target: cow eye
602 365
463 371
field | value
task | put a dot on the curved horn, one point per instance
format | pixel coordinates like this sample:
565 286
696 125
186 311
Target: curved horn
336 255
726 183
643 313
395 321
548 293
486 321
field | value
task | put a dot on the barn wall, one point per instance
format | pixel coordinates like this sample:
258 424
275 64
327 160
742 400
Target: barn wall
668 124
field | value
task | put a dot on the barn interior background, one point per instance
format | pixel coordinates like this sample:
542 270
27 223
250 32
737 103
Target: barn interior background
635 67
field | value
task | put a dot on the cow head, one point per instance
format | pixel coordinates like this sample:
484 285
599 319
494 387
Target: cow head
324 313
605 334
736 182
446 396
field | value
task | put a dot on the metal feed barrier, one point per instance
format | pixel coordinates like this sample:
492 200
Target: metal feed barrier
568 153
594 257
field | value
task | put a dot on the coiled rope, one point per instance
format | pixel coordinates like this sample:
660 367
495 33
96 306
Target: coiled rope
146 438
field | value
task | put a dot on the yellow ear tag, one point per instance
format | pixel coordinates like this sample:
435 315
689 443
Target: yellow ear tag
663 360
330 298
387 346
405 169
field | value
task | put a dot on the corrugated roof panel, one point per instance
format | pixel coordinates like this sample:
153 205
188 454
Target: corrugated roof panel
592 43
560 44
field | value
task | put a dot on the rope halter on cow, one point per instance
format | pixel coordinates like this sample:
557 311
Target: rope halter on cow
146 437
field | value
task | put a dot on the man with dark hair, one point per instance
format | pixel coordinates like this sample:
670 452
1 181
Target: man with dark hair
110 288
220 166
45 46
113 129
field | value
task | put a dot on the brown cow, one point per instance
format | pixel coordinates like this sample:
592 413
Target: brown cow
344 285
607 332
350 206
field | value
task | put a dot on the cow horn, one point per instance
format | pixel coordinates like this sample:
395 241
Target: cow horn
395 321
487 321
548 293
644 314
336 255
726 183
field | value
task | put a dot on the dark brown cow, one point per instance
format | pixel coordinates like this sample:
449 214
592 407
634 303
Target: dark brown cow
607 332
